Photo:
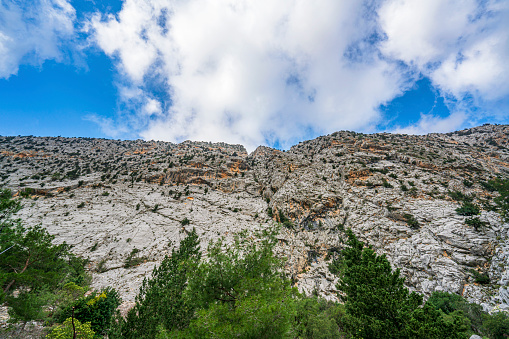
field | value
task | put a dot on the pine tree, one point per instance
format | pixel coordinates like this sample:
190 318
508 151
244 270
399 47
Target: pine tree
161 301
377 303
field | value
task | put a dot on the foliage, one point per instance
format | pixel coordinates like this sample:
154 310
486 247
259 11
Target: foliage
31 264
386 184
476 223
460 196
411 221
185 222
481 278
317 318
241 291
284 220
482 323
65 331
161 300
133 259
378 305
502 201
496 325
468 209
97 308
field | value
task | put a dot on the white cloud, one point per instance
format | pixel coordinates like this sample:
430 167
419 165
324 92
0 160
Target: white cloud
33 32
461 45
251 71
429 123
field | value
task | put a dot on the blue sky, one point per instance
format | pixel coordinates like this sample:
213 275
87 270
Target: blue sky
251 72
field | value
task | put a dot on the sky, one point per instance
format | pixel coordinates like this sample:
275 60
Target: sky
252 72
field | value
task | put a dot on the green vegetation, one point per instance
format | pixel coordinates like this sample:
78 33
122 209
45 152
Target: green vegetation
386 184
481 278
133 259
38 279
468 209
377 305
411 221
453 306
161 301
67 329
239 291
476 223
502 201
96 309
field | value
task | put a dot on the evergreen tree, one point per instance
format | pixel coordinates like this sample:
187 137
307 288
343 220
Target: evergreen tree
377 303
241 291
31 263
161 301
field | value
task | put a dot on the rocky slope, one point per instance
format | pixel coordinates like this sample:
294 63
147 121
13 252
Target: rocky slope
124 204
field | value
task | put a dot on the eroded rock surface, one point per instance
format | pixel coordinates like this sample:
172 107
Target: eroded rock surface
398 193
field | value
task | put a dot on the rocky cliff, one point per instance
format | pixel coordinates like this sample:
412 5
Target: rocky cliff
124 204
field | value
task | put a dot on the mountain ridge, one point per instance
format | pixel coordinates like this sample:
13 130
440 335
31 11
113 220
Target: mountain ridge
397 192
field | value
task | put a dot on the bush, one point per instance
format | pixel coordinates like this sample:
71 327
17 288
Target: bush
411 221
65 331
496 325
475 223
468 209
459 196
316 318
133 260
185 222
97 308
481 278
386 184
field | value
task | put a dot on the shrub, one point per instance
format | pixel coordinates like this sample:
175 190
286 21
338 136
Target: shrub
65 331
284 220
133 260
97 309
185 222
411 221
386 184
475 223
468 209
496 325
481 278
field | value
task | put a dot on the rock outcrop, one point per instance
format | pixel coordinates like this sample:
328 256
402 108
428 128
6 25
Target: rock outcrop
398 193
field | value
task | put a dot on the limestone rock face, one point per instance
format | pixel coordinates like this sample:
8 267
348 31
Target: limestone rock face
398 193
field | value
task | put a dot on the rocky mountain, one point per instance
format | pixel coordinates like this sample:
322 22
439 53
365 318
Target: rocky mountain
124 204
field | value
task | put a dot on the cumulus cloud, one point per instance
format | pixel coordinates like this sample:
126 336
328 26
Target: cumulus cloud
250 72
461 45
32 32
260 71
429 123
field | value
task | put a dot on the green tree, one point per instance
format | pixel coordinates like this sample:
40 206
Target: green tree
316 318
161 300
96 309
31 264
377 303
241 291
496 325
